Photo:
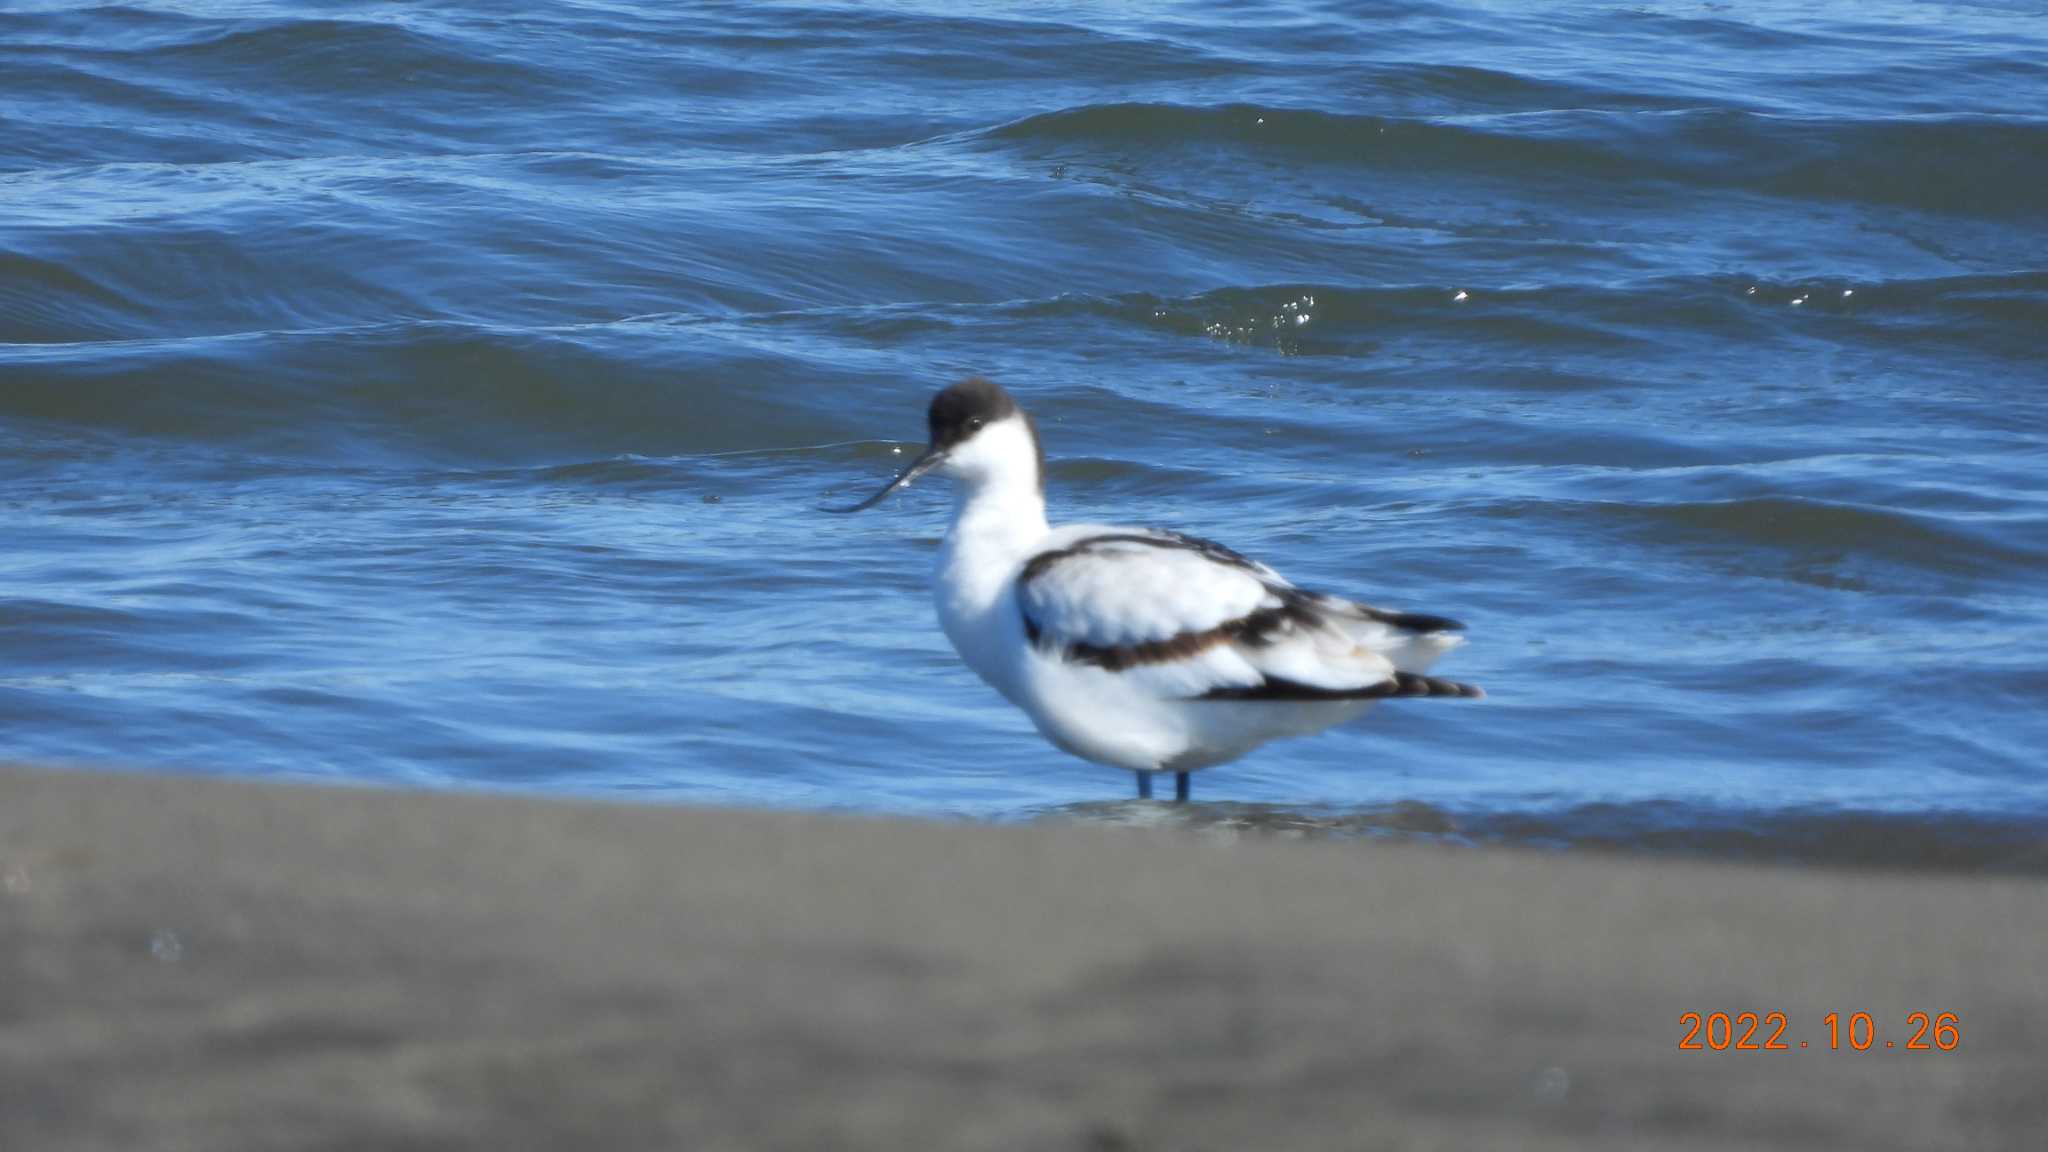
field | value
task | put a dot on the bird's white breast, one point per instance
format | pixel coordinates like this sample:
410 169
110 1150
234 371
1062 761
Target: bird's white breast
975 588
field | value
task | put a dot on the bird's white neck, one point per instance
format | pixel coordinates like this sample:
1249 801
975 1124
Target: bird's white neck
999 511
995 528
996 522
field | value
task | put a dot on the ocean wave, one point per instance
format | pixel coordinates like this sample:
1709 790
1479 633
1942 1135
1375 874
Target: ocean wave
1307 319
626 377
1764 529
281 51
438 389
1974 165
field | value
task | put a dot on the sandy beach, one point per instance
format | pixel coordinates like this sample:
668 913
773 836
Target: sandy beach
193 963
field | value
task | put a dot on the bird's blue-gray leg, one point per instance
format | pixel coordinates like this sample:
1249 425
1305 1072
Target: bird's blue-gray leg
1144 785
1180 787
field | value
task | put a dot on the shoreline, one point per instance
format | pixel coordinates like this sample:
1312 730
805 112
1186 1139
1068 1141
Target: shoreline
1951 842
205 962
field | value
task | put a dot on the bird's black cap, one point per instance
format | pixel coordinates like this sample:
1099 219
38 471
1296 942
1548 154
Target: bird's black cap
956 415
960 411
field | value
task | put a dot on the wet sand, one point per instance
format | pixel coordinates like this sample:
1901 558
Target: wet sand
204 964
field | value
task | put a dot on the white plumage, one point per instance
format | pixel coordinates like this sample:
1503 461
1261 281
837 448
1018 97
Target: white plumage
1140 648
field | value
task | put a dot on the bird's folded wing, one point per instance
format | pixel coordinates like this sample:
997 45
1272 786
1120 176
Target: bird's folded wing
1186 618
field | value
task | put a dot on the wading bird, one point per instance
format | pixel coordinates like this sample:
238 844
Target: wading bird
1142 649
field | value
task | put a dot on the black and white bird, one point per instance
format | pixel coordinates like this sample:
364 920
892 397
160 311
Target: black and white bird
1139 648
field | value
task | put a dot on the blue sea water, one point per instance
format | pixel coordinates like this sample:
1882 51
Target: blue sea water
443 394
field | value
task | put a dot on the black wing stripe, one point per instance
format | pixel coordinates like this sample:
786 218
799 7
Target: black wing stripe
1413 621
1400 685
1260 627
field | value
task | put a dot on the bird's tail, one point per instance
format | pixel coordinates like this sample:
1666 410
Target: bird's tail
1405 684
1410 641
1399 685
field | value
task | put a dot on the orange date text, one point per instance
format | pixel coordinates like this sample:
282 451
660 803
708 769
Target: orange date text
1856 1031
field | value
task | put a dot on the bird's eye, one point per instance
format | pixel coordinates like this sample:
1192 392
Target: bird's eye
975 422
